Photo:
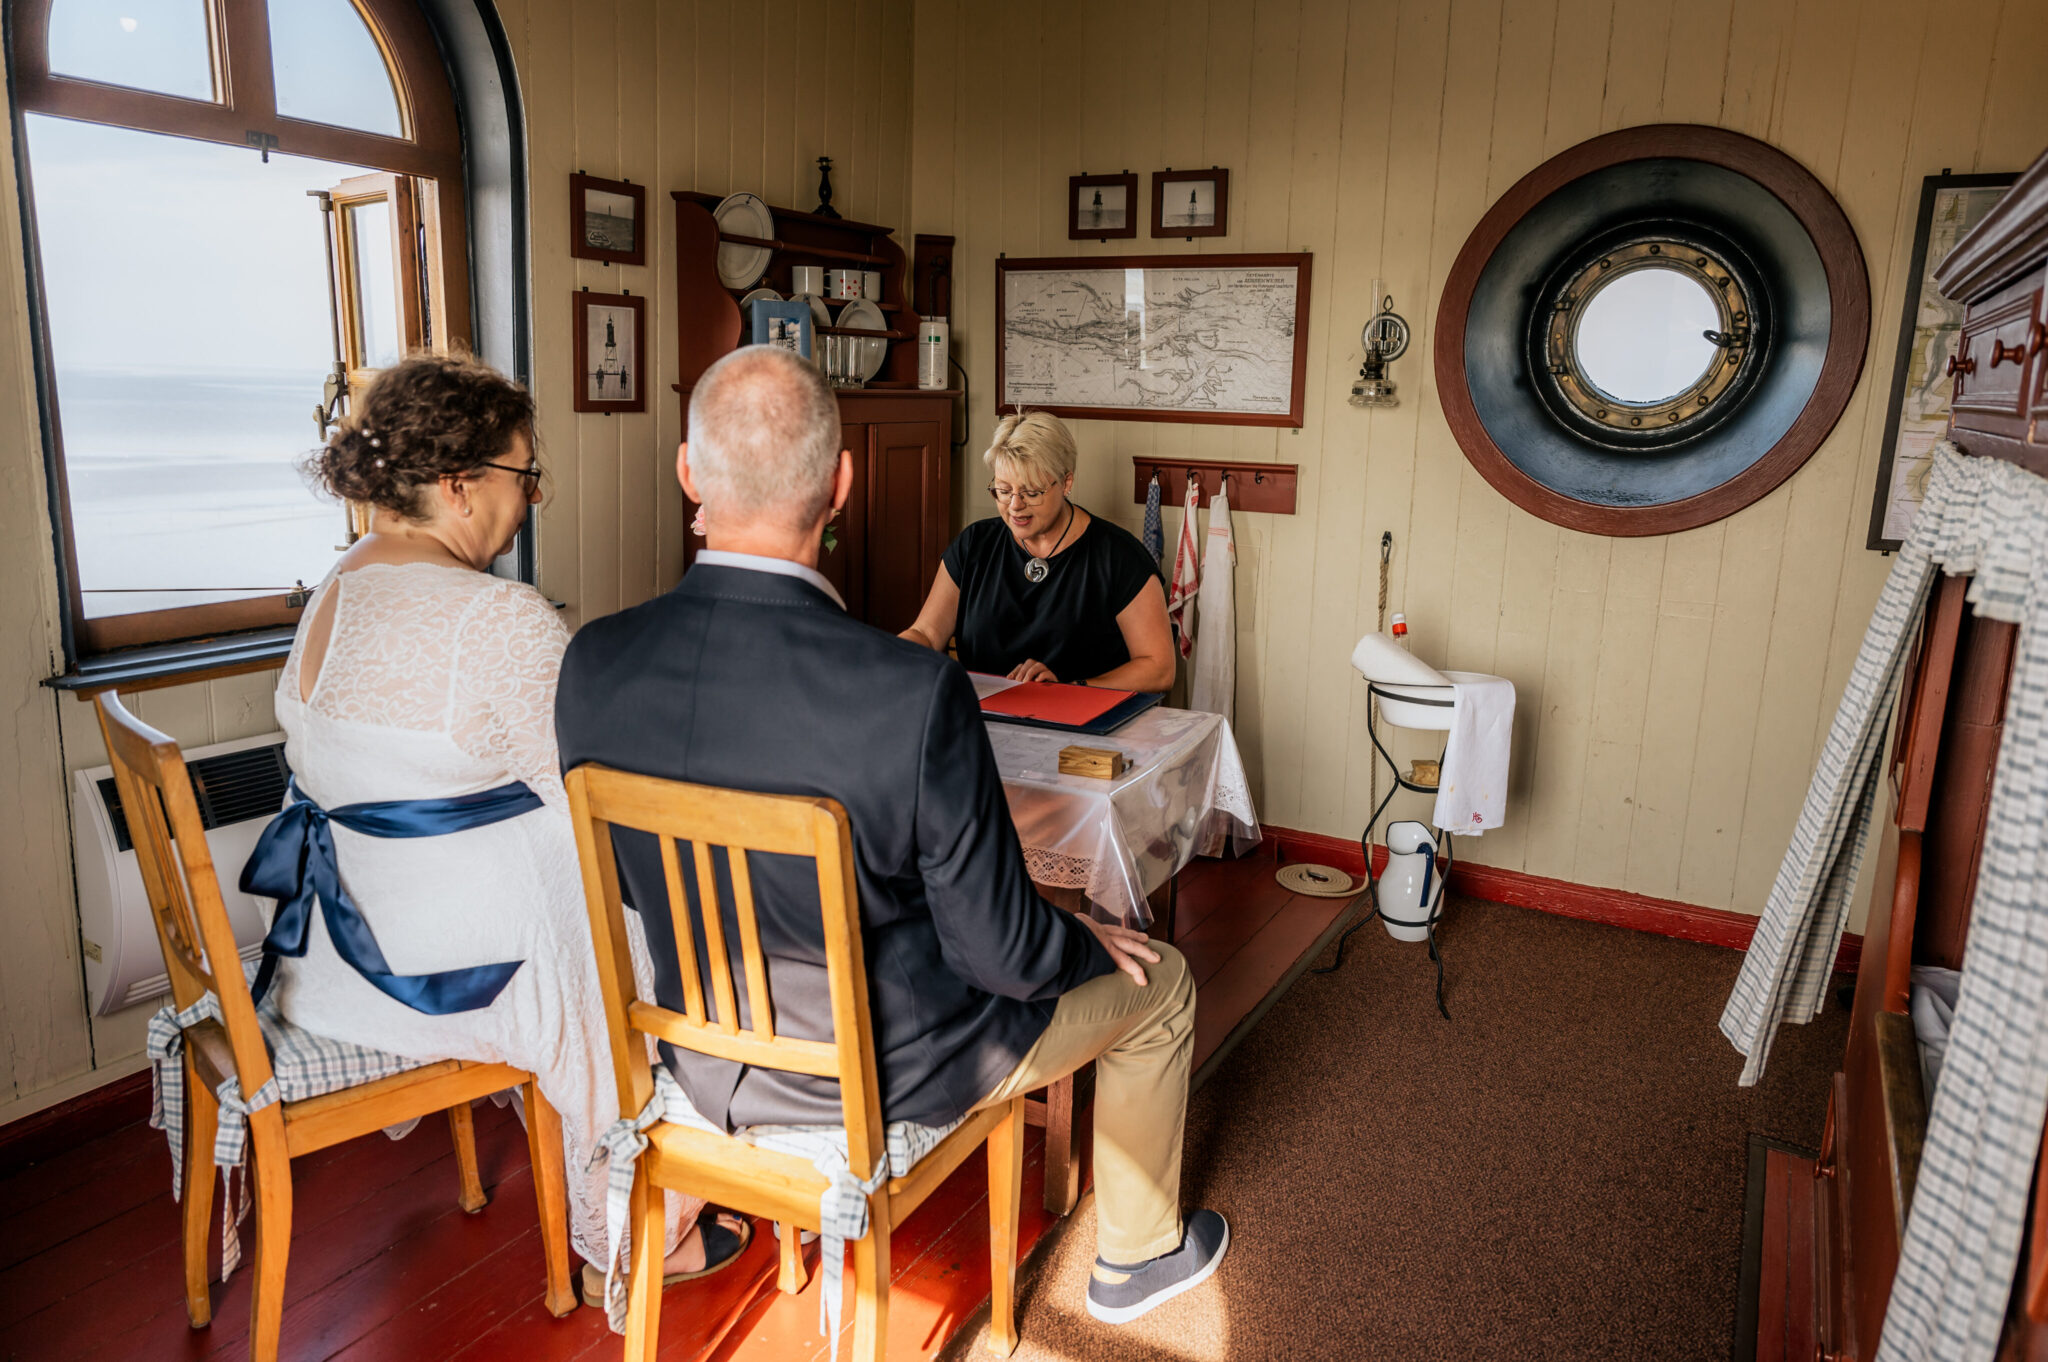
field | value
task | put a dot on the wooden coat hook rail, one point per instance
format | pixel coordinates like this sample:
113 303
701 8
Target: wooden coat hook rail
1267 487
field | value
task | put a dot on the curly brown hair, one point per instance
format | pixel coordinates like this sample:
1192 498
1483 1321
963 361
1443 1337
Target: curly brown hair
427 417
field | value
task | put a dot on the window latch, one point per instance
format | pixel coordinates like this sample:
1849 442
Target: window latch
299 595
264 142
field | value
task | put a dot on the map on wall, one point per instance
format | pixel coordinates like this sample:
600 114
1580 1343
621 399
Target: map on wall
1218 338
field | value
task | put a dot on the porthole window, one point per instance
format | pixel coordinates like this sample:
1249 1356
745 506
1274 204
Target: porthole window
1652 330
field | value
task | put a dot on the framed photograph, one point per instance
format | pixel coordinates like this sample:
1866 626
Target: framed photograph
1101 207
1209 339
1917 415
607 220
777 322
1191 203
611 351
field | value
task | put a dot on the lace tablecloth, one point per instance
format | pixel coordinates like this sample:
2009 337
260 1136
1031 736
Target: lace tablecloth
1185 794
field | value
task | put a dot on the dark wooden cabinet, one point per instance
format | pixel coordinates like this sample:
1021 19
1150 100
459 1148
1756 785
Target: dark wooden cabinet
897 519
898 516
1951 724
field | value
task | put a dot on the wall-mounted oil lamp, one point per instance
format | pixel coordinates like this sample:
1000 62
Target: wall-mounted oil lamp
1385 340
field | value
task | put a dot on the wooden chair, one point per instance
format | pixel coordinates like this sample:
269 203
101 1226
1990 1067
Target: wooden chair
726 1169
192 927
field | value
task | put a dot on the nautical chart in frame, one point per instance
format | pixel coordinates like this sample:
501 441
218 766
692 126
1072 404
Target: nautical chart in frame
1219 339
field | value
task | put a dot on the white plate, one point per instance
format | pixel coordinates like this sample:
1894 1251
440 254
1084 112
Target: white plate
743 215
863 315
760 295
820 314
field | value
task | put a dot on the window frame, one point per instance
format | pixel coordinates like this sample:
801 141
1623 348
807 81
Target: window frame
244 114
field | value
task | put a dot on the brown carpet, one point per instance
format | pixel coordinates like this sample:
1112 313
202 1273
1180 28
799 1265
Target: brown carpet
1557 1173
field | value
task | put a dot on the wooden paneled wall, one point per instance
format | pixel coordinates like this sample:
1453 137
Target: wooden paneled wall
716 95
713 95
1673 691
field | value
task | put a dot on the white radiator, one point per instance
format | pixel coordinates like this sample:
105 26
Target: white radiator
240 786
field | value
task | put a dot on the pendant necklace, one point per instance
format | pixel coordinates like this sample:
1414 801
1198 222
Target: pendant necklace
1037 568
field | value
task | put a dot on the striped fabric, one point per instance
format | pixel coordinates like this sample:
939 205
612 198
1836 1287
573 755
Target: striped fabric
302 1065
1988 520
842 1210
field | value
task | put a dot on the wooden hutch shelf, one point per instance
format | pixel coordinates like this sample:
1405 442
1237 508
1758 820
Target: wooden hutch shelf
897 520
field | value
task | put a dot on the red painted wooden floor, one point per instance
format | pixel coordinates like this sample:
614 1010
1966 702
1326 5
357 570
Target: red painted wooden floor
385 1266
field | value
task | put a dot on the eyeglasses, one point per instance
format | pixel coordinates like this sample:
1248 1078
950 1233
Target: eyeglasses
531 472
1030 496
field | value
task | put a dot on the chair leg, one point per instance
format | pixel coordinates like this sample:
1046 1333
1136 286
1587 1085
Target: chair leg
550 1190
202 1117
643 1283
1005 1204
272 1169
793 1275
462 1125
871 1286
1062 1163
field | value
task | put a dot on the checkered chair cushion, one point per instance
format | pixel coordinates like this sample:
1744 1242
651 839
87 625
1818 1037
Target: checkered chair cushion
907 1142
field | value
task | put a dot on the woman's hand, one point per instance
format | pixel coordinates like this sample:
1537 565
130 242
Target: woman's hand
1031 669
1126 946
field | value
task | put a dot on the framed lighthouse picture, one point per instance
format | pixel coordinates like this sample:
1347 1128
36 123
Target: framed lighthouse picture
611 351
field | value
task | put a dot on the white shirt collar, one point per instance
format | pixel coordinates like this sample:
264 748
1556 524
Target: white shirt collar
782 567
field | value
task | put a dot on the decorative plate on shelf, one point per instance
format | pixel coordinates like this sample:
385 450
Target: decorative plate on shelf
760 295
863 315
743 215
820 314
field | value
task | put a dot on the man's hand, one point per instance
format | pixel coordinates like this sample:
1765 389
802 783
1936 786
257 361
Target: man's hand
1032 670
1125 946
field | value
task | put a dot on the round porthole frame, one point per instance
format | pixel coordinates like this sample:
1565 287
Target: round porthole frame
1762 420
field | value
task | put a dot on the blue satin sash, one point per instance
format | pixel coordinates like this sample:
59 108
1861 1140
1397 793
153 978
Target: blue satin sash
294 863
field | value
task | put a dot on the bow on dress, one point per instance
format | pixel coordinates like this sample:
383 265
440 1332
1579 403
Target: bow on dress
294 863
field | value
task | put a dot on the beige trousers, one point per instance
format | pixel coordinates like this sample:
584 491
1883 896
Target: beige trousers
1141 1040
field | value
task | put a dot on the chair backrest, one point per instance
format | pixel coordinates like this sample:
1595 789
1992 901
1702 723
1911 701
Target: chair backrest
192 924
735 822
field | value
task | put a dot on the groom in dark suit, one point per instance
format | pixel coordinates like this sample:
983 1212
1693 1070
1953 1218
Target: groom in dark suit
750 675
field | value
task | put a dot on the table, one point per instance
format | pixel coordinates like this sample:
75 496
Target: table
1184 795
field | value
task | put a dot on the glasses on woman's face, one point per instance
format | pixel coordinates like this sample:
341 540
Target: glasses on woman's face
1030 496
529 476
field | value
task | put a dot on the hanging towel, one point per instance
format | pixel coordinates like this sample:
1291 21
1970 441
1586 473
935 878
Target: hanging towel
1989 521
1214 687
1154 536
1472 792
1187 576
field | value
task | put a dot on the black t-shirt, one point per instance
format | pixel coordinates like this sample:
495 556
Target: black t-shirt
1067 621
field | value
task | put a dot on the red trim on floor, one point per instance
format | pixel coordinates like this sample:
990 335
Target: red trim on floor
1590 903
41 1134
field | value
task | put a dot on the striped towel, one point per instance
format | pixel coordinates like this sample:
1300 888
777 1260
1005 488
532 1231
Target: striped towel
1987 520
1187 575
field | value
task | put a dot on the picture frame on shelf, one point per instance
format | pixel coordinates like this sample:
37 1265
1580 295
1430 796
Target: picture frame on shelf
607 220
1191 203
1102 207
785 323
611 351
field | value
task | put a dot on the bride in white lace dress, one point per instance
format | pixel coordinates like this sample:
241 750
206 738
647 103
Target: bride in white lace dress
418 675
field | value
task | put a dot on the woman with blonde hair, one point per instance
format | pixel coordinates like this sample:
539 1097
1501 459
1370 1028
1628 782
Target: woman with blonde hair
1042 590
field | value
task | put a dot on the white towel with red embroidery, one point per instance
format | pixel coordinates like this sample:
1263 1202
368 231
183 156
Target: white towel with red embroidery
1213 687
1187 575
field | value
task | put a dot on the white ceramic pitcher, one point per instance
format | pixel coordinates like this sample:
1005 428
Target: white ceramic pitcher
1410 889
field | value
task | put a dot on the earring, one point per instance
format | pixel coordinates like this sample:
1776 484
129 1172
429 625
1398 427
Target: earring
465 510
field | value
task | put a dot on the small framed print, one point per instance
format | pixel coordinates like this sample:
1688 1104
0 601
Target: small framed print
607 220
1191 203
1101 207
611 352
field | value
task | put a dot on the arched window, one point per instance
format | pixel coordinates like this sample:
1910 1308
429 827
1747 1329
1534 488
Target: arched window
239 208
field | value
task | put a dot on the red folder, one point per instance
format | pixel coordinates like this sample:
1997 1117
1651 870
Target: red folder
1055 702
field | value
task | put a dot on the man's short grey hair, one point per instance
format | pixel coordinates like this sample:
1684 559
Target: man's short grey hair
764 437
